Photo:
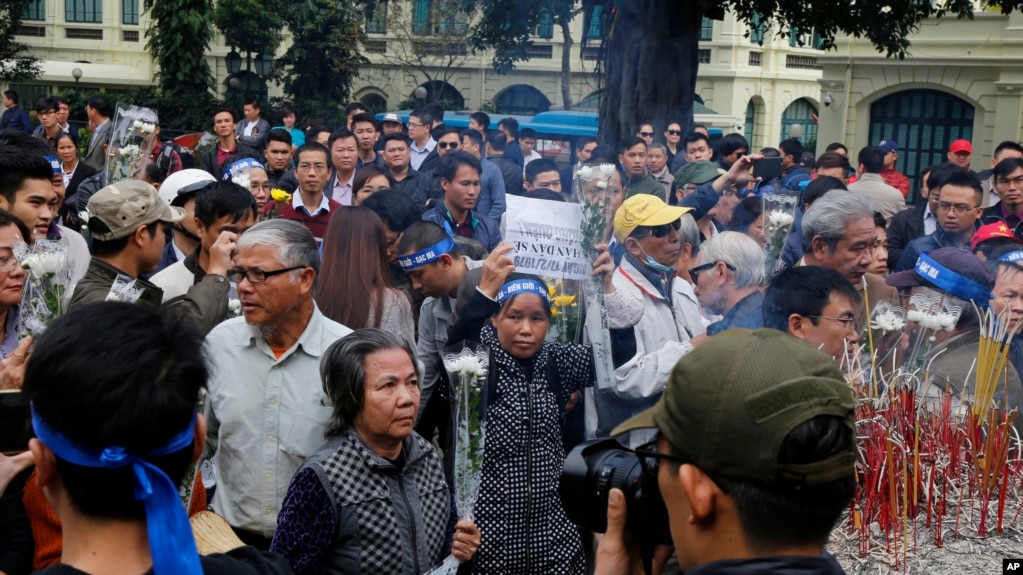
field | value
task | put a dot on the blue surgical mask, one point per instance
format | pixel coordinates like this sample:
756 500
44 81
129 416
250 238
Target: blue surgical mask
656 265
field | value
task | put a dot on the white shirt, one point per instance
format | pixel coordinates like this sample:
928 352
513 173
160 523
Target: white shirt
533 155
297 204
418 155
930 220
265 415
342 192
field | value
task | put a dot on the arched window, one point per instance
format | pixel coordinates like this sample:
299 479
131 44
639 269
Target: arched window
521 99
800 113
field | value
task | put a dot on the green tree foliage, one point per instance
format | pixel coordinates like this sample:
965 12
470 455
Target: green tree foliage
323 59
251 25
181 34
16 64
650 52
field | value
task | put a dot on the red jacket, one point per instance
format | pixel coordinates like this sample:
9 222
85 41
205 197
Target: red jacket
897 181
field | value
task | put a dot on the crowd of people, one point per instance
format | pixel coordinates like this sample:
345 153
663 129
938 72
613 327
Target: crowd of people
300 287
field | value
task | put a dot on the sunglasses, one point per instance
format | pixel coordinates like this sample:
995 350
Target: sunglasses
675 132
661 231
647 134
446 145
696 271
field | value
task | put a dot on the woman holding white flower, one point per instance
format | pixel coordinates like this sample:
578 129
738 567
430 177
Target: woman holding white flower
373 498
12 280
73 171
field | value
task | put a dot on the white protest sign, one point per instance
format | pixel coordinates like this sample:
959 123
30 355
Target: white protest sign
546 237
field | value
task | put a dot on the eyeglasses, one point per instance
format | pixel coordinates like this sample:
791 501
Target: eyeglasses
954 208
303 167
412 124
257 276
8 264
650 460
696 271
661 231
674 132
446 145
647 134
1018 181
847 320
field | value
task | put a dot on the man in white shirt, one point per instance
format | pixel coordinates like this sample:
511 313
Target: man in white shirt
344 155
266 410
420 122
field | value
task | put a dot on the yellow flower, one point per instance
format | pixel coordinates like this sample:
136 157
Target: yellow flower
562 301
551 290
280 195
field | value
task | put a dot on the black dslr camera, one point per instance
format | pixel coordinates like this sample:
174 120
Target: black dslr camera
596 466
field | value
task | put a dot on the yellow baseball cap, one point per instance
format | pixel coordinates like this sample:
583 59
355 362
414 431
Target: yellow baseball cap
644 210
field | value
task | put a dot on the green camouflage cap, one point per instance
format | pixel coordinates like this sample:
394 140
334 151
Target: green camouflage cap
126 205
697 173
731 402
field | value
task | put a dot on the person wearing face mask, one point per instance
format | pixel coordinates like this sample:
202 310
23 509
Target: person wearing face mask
644 354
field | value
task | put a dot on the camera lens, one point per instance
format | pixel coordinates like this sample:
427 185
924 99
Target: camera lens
595 467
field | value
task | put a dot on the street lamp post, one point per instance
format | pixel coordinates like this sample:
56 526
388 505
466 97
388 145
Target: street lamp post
76 73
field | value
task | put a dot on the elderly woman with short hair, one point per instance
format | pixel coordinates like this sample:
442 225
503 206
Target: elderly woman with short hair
373 498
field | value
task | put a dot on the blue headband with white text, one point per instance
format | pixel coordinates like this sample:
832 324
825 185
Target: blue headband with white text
521 286
429 255
952 282
241 166
1012 257
171 542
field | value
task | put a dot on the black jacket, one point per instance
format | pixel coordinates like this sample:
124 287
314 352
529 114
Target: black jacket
511 172
905 227
209 162
993 215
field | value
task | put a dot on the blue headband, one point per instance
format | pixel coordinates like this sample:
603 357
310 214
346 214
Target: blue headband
525 285
951 282
54 164
171 543
427 256
1012 257
240 166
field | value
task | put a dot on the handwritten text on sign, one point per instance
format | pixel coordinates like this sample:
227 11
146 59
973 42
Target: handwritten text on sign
546 238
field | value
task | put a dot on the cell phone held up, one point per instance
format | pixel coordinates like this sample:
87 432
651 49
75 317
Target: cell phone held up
767 168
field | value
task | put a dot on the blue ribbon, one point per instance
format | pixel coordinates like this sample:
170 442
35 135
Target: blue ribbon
54 164
1012 257
427 256
240 166
525 285
171 543
951 282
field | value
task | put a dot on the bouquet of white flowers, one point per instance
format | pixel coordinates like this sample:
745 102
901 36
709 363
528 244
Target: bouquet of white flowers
779 214
46 293
595 193
131 142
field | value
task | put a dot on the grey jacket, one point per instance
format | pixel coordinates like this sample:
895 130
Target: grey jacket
259 135
95 156
399 518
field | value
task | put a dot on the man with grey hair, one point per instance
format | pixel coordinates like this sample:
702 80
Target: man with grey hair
839 233
265 409
657 167
728 281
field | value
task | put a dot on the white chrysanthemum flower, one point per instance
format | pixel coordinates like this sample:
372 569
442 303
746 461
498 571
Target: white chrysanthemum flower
780 219
44 264
601 185
234 307
465 363
606 171
888 321
585 173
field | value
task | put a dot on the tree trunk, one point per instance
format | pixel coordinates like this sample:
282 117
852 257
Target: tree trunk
651 64
566 64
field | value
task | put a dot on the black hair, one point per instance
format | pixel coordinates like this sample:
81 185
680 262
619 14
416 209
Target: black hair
441 130
523 276
778 518
222 199
1005 167
338 134
110 248
46 104
101 105
353 106
25 142
832 160
421 235
9 219
279 135
545 194
474 135
436 110
311 147
527 133
510 124
497 140
11 95
604 154
314 132
393 137
879 221
154 173
731 143
938 174
251 101
451 161
424 115
482 119
61 100
835 146
583 141
396 208
872 159
288 109
234 116
18 165
792 147
311 121
746 212
628 142
538 167
148 369
364 117
995 248
822 185
961 177
363 174
1008 145
803 290
694 136
770 152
